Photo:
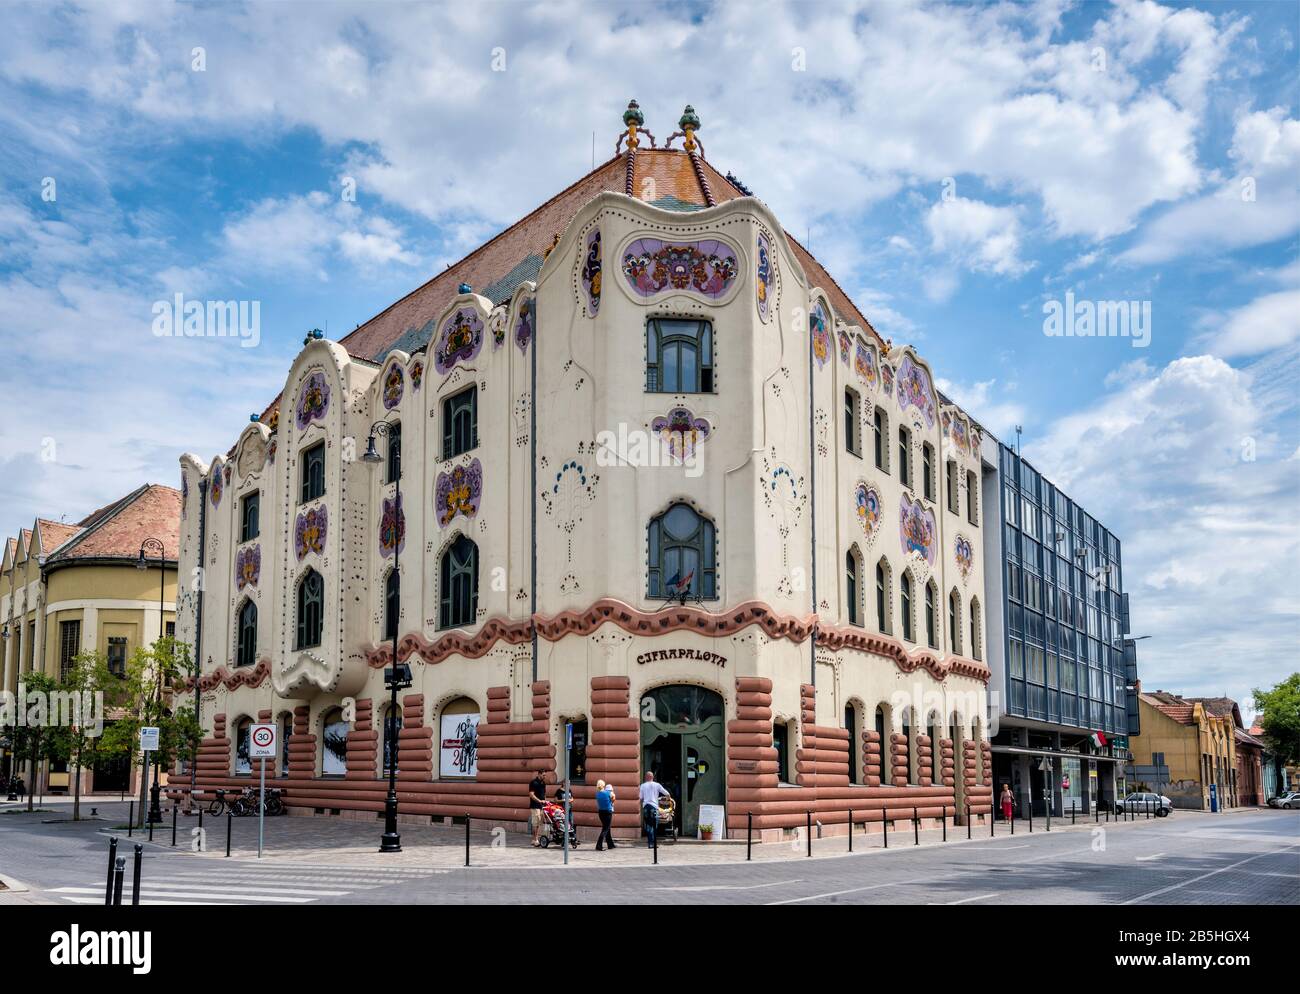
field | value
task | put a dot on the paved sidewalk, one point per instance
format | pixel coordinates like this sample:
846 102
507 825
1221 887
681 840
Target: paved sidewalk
354 843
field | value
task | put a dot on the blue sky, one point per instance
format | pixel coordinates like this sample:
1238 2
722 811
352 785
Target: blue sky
956 168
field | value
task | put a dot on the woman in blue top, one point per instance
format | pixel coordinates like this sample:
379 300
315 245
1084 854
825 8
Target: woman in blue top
605 810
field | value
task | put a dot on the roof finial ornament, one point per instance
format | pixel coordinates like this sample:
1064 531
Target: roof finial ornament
633 119
689 122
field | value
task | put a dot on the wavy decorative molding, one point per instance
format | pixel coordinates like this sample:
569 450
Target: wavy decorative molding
666 622
244 676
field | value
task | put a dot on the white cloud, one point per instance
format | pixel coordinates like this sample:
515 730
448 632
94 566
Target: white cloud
988 402
984 237
1267 322
1186 465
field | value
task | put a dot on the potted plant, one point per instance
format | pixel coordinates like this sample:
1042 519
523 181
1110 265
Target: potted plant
706 833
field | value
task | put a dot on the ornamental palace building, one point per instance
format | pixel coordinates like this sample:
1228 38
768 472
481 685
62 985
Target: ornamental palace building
644 469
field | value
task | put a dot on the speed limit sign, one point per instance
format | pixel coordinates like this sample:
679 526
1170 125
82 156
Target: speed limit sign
261 742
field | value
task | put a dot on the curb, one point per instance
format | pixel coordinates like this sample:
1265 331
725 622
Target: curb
13 886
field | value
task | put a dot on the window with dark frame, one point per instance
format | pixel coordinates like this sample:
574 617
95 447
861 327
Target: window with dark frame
392 602
851 586
246 654
313 473
460 423
927 471
906 587
679 356
852 439
905 457
116 655
878 425
311 610
394 467
459 590
70 645
682 551
249 514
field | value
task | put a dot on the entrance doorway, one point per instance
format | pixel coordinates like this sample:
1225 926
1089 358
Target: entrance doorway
683 740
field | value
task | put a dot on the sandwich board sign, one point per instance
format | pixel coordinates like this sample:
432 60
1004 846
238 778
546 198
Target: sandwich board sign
261 742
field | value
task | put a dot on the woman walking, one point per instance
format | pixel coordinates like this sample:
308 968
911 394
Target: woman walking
605 811
1006 802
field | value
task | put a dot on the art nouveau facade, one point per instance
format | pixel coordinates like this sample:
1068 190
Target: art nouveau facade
658 479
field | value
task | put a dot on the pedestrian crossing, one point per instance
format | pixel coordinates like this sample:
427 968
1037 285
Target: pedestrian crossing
163 881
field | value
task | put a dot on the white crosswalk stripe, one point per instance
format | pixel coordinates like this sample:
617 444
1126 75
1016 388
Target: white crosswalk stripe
175 880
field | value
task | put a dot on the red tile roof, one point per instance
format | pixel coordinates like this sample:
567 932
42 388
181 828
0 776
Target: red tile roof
55 533
117 530
1180 712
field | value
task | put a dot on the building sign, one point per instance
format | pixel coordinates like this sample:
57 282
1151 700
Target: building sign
458 752
664 654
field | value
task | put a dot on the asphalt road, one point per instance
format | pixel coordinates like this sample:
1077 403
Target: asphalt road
1188 859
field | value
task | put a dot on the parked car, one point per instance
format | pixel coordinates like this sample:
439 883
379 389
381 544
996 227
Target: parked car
1289 800
1141 802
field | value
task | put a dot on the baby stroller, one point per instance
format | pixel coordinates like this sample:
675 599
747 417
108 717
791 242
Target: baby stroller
553 826
666 828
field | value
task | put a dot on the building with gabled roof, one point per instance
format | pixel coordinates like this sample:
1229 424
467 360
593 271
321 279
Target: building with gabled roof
636 455
1196 743
71 588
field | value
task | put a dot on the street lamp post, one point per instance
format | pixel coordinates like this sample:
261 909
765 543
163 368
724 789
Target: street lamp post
397 676
154 544
13 745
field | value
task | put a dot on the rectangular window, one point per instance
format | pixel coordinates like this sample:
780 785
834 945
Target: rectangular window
69 646
878 429
950 482
394 452
679 356
460 423
927 471
117 655
313 473
851 440
1016 656
904 457
249 513
972 498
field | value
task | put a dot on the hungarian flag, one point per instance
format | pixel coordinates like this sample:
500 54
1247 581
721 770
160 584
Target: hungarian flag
1098 740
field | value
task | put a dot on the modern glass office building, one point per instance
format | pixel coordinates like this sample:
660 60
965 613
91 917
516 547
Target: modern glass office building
1064 670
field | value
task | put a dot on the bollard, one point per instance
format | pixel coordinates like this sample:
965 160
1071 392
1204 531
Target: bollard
150 821
916 828
200 814
1013 820
656 846
992 816
943 818
1049 814
884 824
749 836
135 876
130 822
228 817
119 871
1148 804
968 821
467 838
850 830
174 826
1031 816
1073 806
809 833
112 860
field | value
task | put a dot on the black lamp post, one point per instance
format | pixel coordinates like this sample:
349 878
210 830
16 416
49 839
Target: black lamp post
154 544
398 676
13 743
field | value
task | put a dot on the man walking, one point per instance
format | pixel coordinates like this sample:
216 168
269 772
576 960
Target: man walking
650 794
536 798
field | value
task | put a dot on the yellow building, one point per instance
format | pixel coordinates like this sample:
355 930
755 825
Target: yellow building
1197 745
65 589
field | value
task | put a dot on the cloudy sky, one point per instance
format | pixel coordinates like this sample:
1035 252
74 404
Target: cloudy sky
958 168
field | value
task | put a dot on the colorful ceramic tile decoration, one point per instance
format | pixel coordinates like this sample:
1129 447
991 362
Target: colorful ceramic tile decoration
215 488
524 323
867 502
765 277
819 327
460 340
392 527
458 491
248 566
394 384
864 364
270 452
591 272
309 531
960 438
314 400
497 325
887 378
914 389
682 431
916 529
965 556
417 374
705 267
846 346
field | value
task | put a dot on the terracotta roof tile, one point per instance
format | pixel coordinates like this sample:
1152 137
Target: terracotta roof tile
1180 712
55 533
116 531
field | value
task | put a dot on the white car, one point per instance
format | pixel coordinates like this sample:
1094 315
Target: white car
1140 803
1289 800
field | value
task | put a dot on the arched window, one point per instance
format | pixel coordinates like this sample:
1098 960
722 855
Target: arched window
679 356
683 555
852 586
334 744
246 654
394 467
392 728
906 586
909 734
882 733
855 740
976 649
459 570
311 609
936 759
243 765
392 602
286 729
783 737
954 623
931 620
883 596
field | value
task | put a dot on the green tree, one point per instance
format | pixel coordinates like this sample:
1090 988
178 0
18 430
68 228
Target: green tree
1280 718
33 740
77 743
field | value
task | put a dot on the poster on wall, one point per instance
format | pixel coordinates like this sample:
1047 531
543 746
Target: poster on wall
458 754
